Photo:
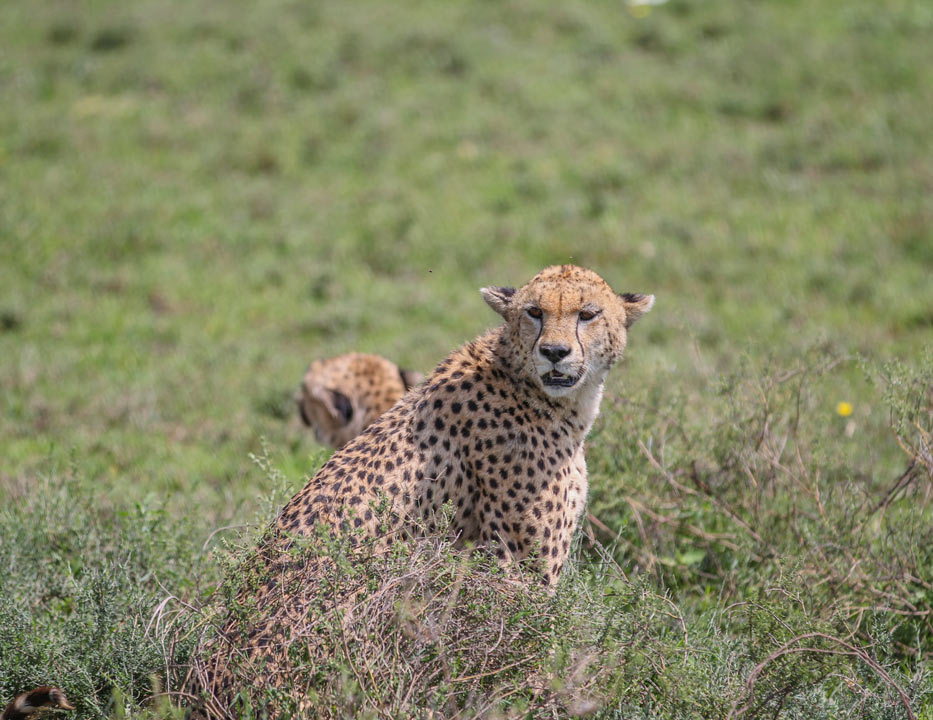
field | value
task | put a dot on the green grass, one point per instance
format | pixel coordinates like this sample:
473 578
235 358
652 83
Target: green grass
197 199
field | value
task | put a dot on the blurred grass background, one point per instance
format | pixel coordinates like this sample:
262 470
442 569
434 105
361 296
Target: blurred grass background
197 199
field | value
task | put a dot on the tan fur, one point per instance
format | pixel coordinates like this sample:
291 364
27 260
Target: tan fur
36 702
485 433
341 396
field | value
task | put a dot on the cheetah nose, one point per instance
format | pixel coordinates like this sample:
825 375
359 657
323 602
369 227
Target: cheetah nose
554 353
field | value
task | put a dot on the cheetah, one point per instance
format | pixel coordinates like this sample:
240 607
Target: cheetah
495 435
36 702
341 396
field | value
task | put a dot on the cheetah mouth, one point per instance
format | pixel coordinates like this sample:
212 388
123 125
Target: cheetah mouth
555 378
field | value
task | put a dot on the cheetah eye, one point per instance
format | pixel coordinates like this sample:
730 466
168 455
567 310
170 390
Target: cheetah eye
586 315
534 312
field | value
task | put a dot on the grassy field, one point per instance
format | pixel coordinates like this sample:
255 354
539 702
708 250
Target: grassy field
197 199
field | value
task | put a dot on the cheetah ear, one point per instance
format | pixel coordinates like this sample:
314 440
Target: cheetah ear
498 298
335 402
411 378
635 305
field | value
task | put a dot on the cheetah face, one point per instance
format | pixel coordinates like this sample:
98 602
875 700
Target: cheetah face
567 326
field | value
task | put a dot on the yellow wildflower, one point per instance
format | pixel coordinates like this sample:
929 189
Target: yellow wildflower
843 409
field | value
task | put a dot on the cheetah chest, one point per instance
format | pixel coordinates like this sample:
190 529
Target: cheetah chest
516 478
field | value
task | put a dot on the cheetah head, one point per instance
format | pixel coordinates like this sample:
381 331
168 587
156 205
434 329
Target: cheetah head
340 396
567 326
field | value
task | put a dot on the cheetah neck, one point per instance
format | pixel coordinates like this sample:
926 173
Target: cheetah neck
587 403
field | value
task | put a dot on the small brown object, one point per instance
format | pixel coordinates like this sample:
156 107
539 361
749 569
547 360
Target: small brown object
36 702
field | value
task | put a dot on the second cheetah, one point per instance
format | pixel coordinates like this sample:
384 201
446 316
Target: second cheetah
341 396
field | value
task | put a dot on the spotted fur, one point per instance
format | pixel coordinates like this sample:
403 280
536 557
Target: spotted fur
496 431
341 396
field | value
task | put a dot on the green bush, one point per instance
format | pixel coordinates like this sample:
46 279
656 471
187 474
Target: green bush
81 597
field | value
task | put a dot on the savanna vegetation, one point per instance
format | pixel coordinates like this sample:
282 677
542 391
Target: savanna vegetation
198 198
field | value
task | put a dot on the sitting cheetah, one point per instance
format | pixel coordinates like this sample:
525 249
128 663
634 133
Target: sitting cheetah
497 431
342 395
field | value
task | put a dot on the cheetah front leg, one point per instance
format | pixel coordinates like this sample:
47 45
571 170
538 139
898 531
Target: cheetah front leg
542 523
561 508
